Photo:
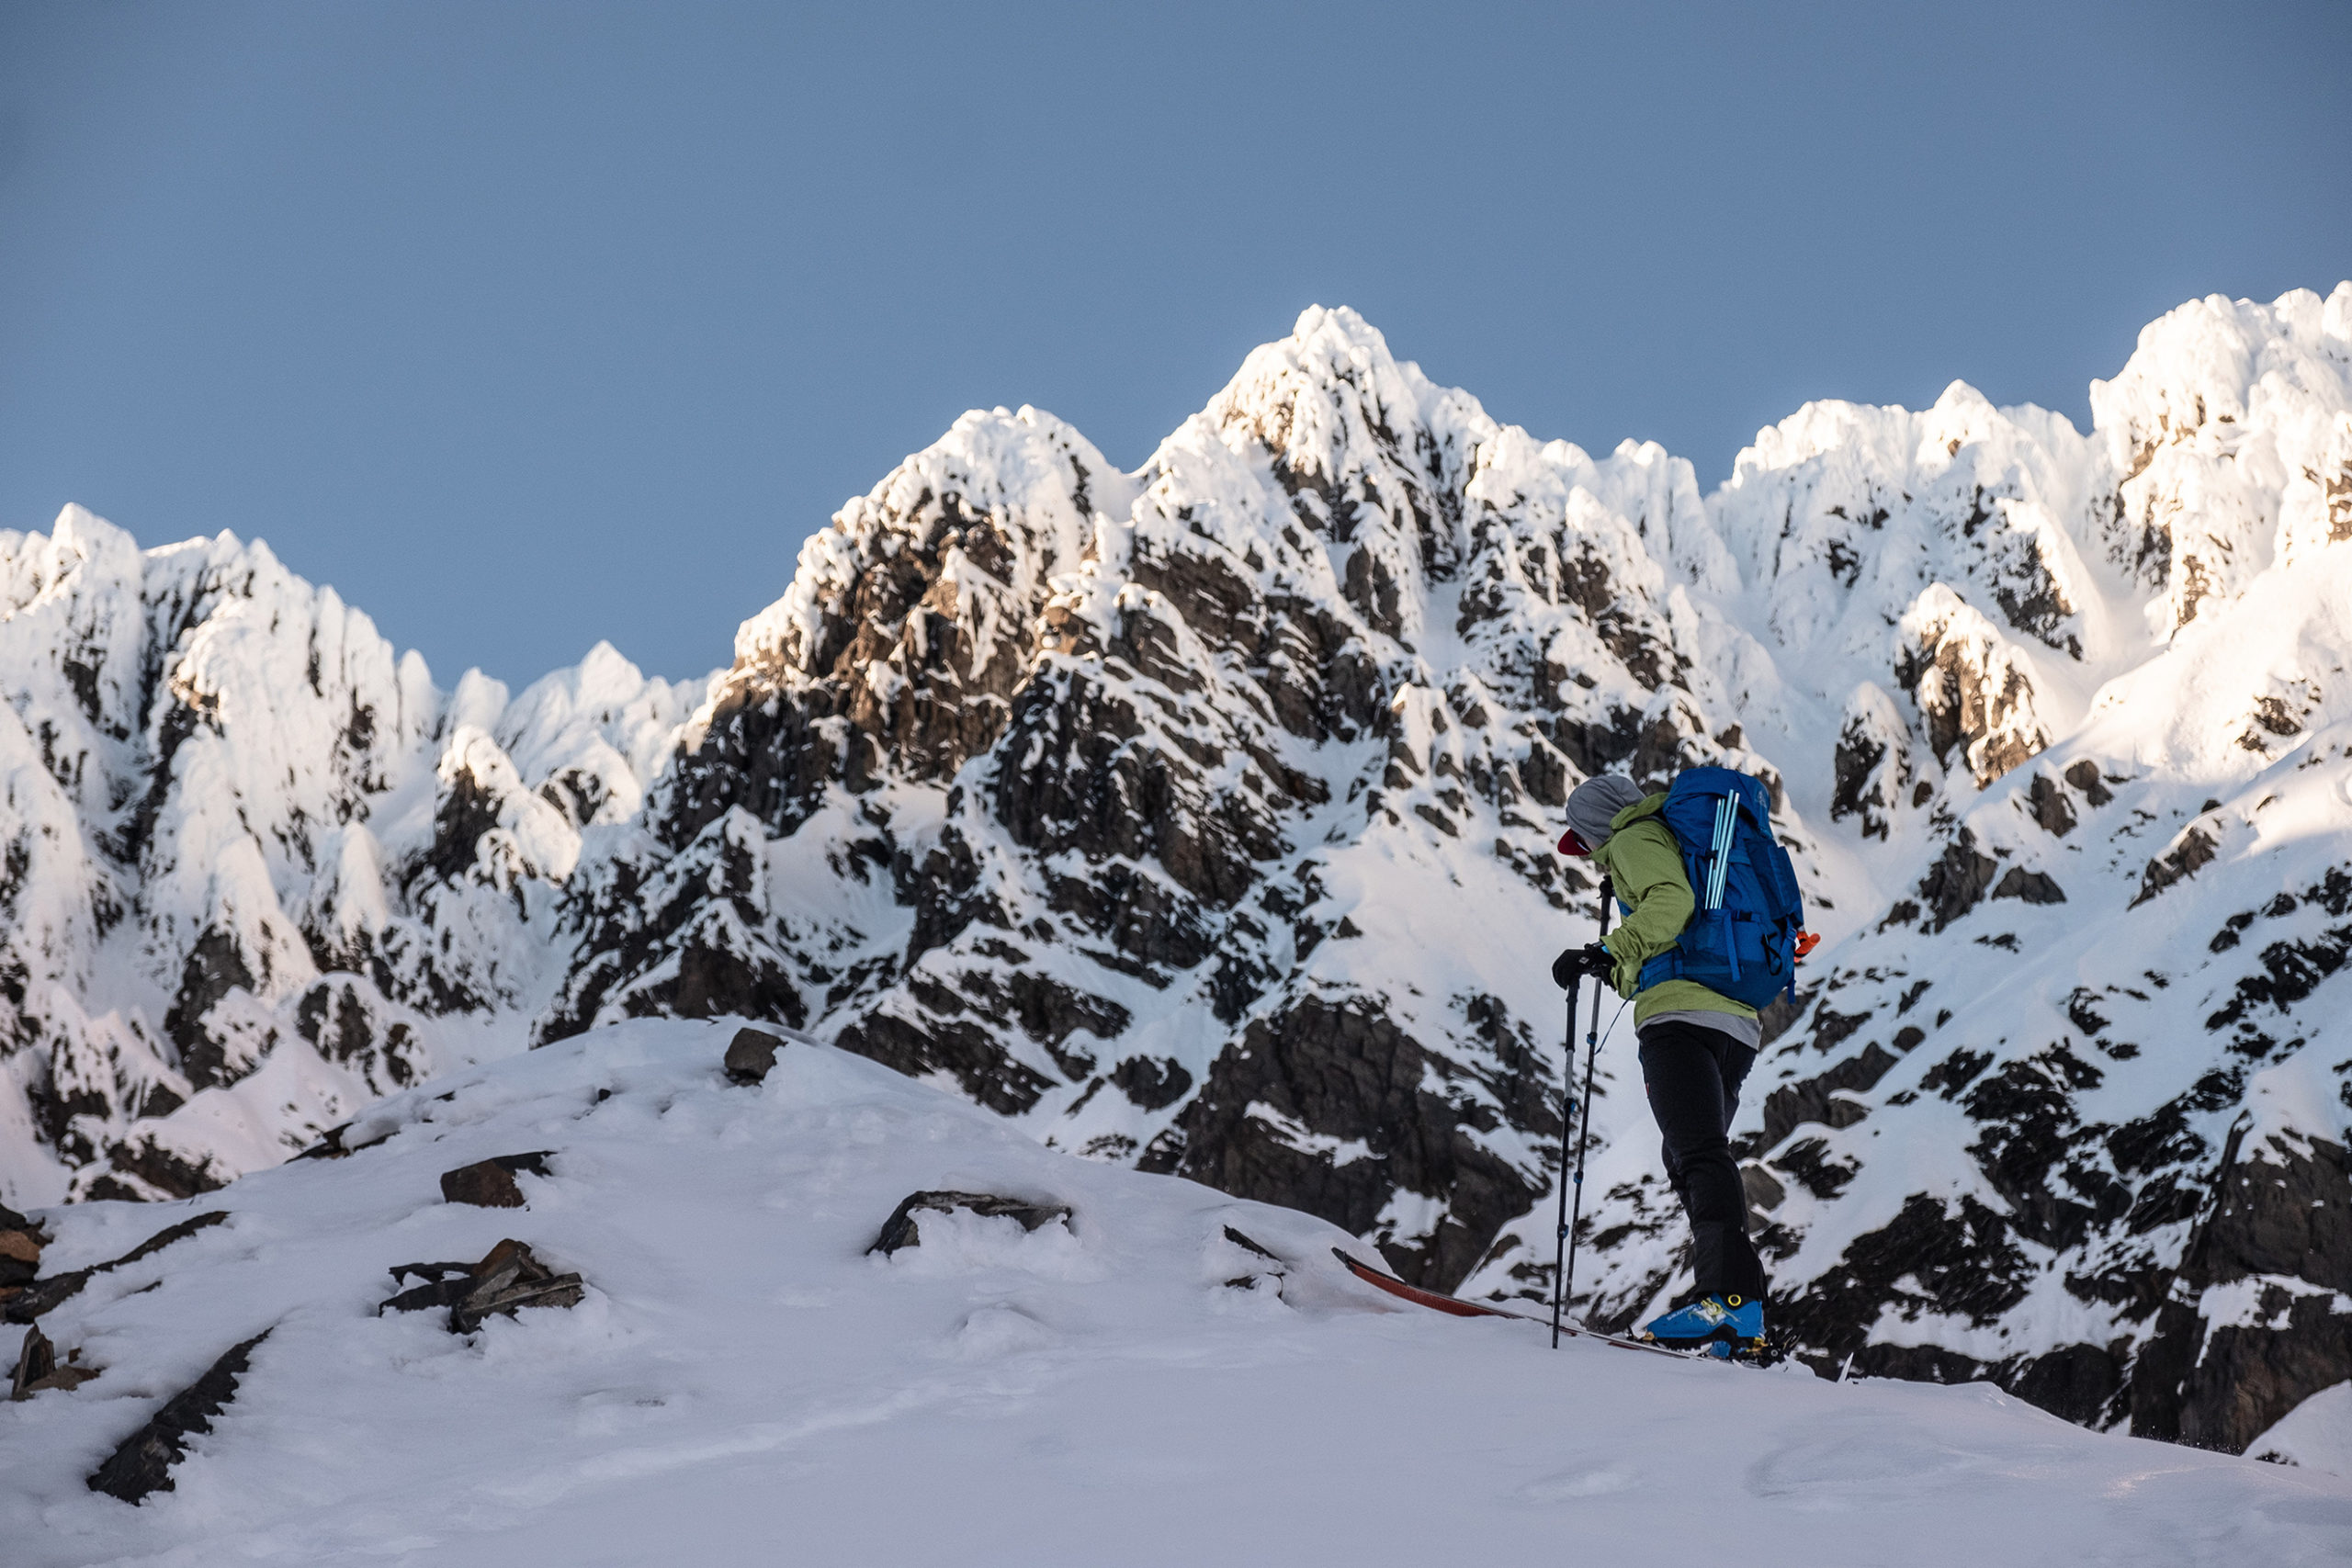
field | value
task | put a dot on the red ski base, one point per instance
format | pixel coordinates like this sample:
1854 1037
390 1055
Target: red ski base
1454 1306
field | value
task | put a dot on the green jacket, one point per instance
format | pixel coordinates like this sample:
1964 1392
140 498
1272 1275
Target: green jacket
1644 867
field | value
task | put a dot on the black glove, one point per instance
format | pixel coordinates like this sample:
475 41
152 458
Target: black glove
1577 961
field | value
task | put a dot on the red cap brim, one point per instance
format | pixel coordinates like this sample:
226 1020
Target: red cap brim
1572 845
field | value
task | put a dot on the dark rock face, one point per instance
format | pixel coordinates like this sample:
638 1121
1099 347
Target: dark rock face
2034 886
2084 776
2249 1328
1871 764
214 968
1151 1083
2233 1338
1792 1105
904 1227
163 1171
143 1462
2194 849
969 1051
2052 810
1979 703
1954 883
1360 1084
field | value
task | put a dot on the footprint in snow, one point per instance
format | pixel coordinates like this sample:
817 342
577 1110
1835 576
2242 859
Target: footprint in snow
958 1243
1571 1484
1860 1469
1000 1331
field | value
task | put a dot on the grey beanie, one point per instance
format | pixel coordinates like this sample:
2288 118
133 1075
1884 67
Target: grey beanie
1593 804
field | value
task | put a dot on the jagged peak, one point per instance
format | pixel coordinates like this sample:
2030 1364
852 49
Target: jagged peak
602 687
37 567
601 725
1332 388
478 700
80 529
2202 363
2229 431
1031 477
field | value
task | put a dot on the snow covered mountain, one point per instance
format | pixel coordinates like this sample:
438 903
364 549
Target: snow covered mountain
1200 819
257 871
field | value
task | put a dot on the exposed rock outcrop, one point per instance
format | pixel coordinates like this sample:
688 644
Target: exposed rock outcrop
142 1463
507 1279
44 1293
490 1183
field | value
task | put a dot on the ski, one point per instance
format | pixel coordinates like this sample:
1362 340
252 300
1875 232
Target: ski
1454 1306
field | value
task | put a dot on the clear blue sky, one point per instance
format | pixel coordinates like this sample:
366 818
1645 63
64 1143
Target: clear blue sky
527 324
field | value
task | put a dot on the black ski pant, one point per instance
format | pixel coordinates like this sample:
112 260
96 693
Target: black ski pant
1693 1075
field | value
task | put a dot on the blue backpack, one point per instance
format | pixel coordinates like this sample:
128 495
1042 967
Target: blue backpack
1742 941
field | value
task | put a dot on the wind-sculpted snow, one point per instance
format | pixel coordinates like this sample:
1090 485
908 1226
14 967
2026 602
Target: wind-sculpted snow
2229 431
1200 819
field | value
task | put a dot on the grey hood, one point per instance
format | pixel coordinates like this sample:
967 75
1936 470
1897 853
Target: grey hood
1594 802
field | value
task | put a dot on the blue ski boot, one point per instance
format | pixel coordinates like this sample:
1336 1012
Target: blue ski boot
1730 1327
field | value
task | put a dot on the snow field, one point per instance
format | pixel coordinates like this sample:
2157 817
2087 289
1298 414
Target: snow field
743 1383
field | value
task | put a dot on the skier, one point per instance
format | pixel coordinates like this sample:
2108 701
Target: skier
1696 1048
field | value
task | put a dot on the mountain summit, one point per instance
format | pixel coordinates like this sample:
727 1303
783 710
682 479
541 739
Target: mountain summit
1200 819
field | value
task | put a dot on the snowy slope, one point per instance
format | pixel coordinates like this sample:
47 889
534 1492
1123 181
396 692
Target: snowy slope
1200 819
743 1382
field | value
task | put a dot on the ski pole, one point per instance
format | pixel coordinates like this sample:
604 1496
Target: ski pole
1564 1271
1567 1120
1584 1136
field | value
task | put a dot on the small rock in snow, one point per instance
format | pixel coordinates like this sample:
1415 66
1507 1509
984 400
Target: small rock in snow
37 1367
900 1229
750 1054
509 1278
490 1183
19 1251
446 1284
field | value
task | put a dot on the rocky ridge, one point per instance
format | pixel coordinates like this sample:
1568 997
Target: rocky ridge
1200 819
